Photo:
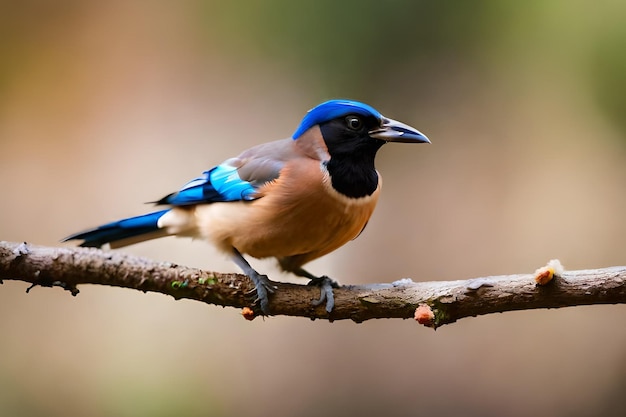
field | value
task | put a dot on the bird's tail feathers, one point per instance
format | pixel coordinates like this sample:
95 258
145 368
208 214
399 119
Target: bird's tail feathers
123 232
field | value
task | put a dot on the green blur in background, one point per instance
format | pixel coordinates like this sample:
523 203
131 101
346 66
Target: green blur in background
107 105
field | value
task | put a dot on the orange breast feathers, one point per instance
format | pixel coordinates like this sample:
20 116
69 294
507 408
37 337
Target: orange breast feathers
299 218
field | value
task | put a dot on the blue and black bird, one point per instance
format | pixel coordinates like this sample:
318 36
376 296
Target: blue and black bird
294 199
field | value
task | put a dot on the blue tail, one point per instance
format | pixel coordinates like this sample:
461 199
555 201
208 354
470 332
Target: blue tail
132 227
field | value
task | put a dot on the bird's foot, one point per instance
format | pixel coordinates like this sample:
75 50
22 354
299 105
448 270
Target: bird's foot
264 287
326 291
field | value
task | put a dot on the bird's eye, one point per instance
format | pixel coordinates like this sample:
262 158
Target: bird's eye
354 122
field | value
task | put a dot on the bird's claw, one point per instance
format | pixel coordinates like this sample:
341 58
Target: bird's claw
326 292
263 287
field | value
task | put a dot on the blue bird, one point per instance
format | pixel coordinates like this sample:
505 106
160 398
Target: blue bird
294 199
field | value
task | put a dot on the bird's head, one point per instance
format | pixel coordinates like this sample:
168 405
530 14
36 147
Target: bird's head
348 121
353 132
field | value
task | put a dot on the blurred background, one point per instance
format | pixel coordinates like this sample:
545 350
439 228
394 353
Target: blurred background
107 105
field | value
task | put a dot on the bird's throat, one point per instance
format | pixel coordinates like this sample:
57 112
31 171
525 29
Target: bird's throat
353 178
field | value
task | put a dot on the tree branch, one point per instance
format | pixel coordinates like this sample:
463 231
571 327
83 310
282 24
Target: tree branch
431 303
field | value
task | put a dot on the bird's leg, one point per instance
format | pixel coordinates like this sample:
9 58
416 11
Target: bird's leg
262 283
326 288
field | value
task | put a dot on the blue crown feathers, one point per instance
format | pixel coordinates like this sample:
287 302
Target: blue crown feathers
332 109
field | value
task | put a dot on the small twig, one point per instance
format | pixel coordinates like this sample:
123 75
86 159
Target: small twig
448 301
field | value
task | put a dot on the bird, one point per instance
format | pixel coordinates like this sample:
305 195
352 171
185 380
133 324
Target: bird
294 199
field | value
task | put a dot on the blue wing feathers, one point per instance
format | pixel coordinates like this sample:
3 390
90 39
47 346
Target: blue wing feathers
221 183
119 230
226 181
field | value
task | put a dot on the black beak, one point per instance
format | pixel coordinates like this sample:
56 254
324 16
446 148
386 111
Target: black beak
394 131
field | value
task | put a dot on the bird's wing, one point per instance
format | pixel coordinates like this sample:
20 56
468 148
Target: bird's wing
236 179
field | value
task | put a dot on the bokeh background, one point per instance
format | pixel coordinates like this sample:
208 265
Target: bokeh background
106 105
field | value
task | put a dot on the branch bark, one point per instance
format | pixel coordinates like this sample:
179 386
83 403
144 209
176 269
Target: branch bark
436 303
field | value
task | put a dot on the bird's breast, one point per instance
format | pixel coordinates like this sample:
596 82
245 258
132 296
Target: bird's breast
299 213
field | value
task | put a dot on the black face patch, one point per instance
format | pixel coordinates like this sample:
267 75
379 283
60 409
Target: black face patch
352 152
345 135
